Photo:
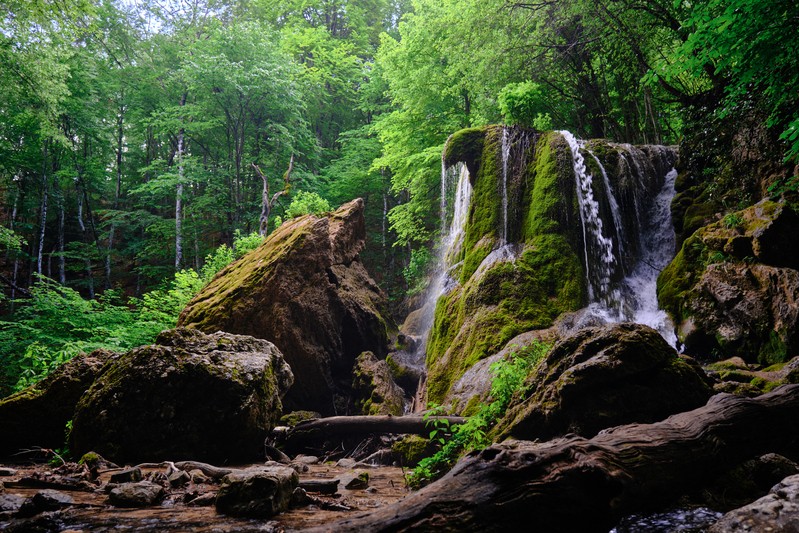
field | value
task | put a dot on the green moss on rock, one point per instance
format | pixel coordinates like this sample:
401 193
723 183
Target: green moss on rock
465 146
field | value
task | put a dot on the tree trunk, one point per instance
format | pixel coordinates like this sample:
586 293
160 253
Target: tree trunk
62 266
317 431
117 191
42 210
179 195
578 484
266 201
87 260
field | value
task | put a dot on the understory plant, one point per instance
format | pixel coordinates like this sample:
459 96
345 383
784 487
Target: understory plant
508 379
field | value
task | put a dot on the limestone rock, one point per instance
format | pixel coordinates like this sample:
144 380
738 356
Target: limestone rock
139 494
37 416
374 390
207 397
733 288
777 512
257 493
603 377
43 501
305 290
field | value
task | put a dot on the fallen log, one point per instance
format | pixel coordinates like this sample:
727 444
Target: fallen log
321 429
578 484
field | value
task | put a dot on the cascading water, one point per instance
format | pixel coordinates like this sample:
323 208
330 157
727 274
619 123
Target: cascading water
600 261
614 297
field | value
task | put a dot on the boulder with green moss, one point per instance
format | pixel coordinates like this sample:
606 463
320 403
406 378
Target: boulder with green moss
37 416
374 390
189 396
604 377
733 287
521 264
305 290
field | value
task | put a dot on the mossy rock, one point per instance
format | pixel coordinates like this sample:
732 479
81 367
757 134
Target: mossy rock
412 448
305 290
183 398
37 416
465 146
604 377
374 389
295 417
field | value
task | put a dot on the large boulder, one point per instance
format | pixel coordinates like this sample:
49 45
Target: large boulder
374 389
37 416
604 377
734 286
190 395
258 492
305 290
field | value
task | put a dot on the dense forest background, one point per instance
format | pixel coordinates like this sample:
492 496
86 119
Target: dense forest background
143 145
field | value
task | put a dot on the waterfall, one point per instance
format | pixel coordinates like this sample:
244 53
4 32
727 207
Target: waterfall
505 155
642 247
598 249
453 232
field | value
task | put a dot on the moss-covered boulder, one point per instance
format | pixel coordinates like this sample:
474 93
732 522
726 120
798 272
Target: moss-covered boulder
374 390
190 396
305 290
604 377
37 416
733 287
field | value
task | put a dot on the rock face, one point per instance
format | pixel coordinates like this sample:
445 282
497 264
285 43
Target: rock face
257 493
37 416
777 512
603 377
520 263
190 395
374 390
733 289
305 290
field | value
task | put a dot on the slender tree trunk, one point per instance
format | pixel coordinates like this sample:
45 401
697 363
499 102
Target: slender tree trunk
62 266
42 211
15 270
117 191
179 196
87 261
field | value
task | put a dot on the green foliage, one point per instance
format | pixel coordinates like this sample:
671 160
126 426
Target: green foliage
242 244
732 220
307 202
524 104
10 240
508 380
417 270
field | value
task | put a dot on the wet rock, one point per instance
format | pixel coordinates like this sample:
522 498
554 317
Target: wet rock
184 397
777 512
300 498
198 477
374 390
305 290
355 481
736 377
43 501
178 478
203 500
37 416
127 475
257 493
6 472
603 377
306 459
346 463
10 504
140 494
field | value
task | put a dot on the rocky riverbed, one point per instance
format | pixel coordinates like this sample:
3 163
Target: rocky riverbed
70 498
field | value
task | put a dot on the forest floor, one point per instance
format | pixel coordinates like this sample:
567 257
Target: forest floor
90 510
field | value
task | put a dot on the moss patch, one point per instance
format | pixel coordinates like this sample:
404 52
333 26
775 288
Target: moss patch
465 146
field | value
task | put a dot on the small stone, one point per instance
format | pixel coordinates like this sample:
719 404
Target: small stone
307 459
300 468
371 490
127 475
357 481
347 463
198 478
141 494
42 501
203 500
179 478
6 472
257 493
300 498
